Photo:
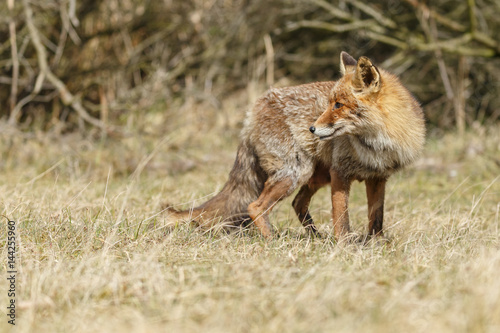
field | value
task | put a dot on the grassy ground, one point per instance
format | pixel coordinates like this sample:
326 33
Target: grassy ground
88 263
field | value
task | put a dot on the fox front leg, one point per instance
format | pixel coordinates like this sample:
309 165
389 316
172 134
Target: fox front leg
340 199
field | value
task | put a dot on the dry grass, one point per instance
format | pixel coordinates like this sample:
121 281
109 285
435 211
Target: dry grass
87 262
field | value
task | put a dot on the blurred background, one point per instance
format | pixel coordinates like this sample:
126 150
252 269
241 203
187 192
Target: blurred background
101 66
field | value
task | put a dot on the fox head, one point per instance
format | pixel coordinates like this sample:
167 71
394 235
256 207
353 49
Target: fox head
350 99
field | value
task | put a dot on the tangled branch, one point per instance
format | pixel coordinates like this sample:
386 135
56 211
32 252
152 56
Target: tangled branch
45 73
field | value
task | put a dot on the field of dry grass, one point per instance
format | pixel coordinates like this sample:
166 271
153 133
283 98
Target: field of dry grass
87 261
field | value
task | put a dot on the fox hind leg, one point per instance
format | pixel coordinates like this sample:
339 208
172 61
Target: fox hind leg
375 192
273 192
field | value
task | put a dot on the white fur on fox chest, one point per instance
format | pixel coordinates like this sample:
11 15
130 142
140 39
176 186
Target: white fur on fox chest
366 157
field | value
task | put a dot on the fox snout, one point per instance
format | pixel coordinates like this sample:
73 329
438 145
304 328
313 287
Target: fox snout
324 132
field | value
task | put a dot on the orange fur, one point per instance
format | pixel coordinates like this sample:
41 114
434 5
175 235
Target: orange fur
366 126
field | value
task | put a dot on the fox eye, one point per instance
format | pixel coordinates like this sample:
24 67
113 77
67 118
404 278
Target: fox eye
338 105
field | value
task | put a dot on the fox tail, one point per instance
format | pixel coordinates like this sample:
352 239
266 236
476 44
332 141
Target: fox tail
230 205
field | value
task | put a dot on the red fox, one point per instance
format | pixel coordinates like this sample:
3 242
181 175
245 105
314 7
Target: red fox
364 127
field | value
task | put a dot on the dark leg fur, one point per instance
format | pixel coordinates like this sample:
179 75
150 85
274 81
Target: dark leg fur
302 200
375 191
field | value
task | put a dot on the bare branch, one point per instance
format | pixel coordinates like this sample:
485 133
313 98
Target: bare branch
431 32
63 35
336 12
387 40
438 17
269 60
378 16
460 100
336 27
15 57
456 26
472 15
486 40
72 10
45 72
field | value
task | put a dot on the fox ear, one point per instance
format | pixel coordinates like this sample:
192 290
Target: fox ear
347 63
367 76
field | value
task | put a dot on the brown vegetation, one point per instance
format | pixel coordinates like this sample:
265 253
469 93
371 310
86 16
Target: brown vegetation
176 78
88 263
67 61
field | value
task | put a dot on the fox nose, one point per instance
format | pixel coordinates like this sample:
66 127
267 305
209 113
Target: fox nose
312 129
